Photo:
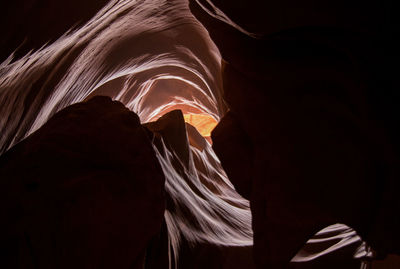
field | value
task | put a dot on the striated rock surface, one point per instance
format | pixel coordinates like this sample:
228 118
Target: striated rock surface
84 191
201 205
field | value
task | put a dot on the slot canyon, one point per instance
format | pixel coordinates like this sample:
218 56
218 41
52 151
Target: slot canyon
199 134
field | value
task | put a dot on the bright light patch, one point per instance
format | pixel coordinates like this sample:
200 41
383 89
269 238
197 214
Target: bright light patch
203 123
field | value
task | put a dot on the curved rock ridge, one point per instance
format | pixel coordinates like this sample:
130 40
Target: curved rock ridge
150 55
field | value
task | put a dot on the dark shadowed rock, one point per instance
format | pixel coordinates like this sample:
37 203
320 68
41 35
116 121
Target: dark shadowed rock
84 191
235 151
172 128
317 152
30 24
313 96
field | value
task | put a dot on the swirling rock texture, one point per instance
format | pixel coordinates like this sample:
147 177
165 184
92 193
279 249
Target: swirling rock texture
308 133
173 135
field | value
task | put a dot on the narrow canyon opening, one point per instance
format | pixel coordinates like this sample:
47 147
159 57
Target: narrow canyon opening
159 63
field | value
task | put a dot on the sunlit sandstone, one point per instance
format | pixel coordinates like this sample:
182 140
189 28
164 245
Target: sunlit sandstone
203 123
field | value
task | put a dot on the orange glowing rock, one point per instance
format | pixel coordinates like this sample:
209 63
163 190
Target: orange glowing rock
203 123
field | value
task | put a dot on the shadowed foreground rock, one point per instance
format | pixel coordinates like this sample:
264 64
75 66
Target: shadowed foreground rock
317 97
84 191
234 148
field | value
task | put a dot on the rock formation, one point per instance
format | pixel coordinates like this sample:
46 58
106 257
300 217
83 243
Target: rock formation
84 191
307 102
309 93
